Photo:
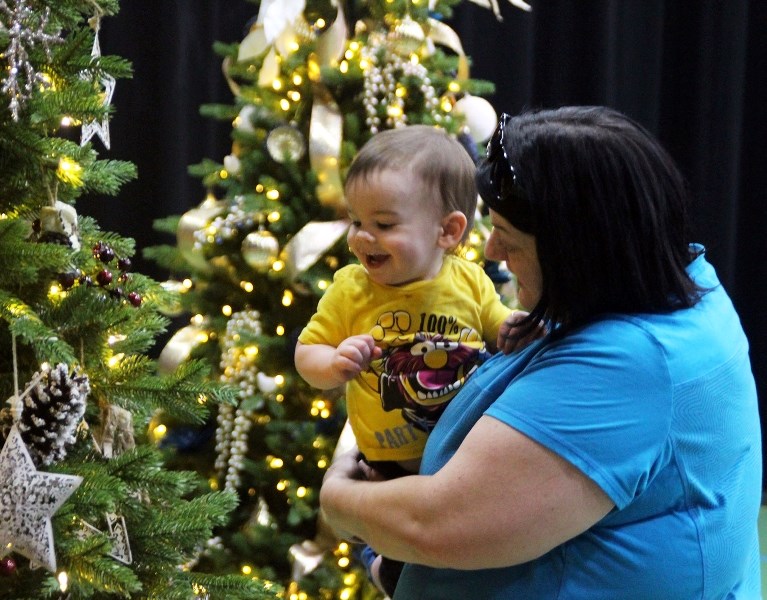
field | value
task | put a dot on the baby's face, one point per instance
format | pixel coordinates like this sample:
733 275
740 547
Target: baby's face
395 228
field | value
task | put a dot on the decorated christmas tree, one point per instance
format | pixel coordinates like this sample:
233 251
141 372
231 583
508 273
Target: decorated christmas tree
312 81
87 505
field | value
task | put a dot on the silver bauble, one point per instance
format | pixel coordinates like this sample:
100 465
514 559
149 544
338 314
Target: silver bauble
285 143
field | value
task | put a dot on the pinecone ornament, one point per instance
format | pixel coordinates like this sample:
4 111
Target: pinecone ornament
52 412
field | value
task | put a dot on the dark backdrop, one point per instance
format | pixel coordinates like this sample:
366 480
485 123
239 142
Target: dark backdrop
692 72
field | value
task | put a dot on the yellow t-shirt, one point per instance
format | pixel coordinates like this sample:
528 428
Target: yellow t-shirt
433 334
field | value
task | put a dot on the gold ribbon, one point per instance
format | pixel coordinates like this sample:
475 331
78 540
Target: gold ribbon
493 4
325 135
444 35
307 246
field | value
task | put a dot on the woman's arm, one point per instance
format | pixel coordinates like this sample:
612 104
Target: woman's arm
502 499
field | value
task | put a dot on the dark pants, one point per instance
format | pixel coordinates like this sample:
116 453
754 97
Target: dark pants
390 569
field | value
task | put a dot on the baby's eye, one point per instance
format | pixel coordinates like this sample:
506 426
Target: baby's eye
385 226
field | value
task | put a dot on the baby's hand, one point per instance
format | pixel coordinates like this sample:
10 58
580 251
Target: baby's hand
354 355
508 336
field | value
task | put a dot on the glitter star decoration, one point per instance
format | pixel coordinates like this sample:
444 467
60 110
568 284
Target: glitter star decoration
28 499
101 128
25 30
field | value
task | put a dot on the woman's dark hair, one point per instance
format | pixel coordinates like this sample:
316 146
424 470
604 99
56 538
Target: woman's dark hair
607 207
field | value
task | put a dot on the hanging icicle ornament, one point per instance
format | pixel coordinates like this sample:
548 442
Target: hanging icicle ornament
25 28
238 367
99 128
117 533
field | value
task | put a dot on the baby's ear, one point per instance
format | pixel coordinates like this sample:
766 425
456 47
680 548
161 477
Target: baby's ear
453 228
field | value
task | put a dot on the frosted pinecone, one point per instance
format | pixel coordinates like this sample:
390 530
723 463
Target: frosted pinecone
52 412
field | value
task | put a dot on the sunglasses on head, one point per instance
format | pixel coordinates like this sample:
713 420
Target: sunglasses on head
503 178
499 185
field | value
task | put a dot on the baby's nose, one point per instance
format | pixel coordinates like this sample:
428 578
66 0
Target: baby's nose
365 236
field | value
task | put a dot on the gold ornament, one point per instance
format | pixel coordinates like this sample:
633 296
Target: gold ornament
260 249
285 143
406 36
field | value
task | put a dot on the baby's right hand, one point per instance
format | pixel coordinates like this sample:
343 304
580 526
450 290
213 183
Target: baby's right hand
354 355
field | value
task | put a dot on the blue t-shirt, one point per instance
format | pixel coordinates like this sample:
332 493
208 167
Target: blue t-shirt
661 412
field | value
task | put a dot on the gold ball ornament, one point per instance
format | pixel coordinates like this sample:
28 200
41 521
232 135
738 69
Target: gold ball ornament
406 36
479 117
260 249
285 143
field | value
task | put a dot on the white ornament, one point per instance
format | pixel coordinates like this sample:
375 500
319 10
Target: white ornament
28 499
232 164
480 117
60 223
244 122
266 384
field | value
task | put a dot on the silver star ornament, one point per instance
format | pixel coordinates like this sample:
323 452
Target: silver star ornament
99 128
28 499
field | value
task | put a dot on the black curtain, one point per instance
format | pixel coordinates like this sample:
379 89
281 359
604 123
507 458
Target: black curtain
692 72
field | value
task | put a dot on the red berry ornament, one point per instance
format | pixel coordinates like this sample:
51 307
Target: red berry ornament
135 299
104 277
7 566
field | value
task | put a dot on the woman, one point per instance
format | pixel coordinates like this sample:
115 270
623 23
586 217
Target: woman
620 455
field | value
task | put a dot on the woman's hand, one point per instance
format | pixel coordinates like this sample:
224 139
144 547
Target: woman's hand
346 467
508 334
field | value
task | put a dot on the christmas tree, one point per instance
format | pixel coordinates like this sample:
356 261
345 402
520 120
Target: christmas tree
312 81
87 505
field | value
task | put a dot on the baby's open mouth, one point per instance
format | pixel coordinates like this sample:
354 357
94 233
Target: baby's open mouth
375 260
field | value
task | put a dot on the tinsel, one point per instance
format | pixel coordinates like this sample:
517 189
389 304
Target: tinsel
25 29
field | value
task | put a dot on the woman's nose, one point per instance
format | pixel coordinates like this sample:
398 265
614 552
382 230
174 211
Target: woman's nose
491 249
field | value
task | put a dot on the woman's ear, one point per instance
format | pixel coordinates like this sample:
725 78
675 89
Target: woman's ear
453 228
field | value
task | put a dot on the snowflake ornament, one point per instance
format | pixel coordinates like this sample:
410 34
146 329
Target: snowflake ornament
28 499
26 29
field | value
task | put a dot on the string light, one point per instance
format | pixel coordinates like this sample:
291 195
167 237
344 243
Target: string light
287 298
226 310
69 171
114 360
63 581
